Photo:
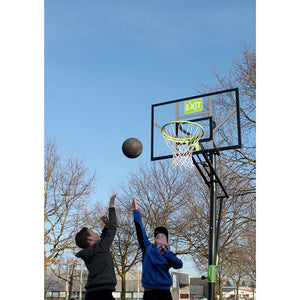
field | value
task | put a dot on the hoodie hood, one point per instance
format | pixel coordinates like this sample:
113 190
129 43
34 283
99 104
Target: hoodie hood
87 252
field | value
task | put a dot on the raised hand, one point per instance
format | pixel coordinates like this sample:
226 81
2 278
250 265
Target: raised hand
134 205
112 200
105 220
162 249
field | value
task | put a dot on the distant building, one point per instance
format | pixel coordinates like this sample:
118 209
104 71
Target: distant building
183 286
198 288
244 293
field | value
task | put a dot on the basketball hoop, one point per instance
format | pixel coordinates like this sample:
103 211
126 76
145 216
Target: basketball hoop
182 137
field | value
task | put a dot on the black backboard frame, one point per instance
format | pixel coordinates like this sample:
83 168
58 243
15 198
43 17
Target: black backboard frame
223 148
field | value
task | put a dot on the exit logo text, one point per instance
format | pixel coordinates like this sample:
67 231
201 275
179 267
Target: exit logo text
192 106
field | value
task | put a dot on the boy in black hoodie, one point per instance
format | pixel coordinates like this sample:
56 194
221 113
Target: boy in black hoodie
96 255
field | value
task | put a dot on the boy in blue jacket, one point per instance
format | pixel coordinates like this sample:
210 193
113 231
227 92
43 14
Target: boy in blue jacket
157 260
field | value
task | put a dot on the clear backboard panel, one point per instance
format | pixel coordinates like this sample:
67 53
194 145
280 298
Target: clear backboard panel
218 113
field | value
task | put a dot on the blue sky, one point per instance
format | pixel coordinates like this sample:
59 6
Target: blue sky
107 62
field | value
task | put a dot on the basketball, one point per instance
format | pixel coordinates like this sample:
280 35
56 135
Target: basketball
132 148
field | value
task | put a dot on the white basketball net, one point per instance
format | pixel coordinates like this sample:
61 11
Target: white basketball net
182 137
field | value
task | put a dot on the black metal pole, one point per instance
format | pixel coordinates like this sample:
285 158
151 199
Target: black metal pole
212 251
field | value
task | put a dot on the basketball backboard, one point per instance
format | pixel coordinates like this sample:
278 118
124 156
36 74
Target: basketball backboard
218 113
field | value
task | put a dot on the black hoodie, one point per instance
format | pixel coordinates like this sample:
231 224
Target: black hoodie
98 259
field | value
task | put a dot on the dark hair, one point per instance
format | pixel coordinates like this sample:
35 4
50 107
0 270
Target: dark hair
81 238
161 229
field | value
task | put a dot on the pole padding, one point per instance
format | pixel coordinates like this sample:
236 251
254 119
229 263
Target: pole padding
212 271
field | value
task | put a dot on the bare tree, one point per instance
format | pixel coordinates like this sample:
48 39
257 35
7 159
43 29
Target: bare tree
237 223
162 193
235 266
242 74
237 169
67 183
66 270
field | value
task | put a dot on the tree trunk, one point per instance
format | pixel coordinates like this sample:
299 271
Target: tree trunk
237 288
123 294
220 289
71 282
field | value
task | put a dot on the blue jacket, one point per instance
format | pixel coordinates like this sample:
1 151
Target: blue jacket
156 266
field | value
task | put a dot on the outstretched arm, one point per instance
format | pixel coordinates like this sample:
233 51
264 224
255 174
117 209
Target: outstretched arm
111 227
140 231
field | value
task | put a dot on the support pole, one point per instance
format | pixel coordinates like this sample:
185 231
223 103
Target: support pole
212 251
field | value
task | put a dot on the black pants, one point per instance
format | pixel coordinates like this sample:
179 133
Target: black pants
157 295
99 295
